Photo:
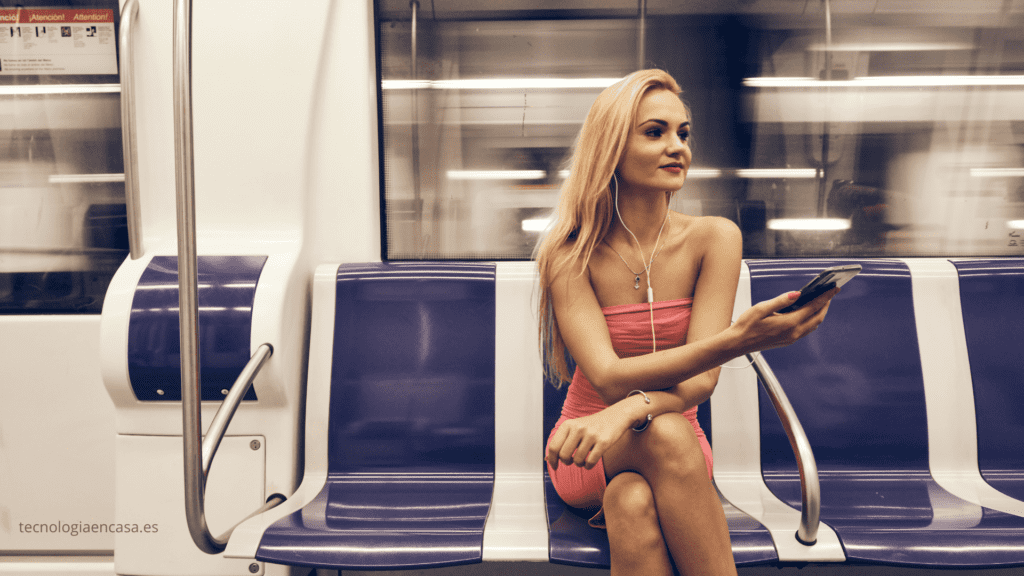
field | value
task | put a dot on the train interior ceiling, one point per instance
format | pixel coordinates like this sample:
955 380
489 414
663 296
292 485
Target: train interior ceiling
399 139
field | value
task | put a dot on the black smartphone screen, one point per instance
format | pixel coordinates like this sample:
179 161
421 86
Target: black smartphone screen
823 282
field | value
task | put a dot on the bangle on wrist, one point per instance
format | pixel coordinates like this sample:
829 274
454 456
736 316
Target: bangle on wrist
647 399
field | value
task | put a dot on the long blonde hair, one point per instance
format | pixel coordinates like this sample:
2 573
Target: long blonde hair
585 206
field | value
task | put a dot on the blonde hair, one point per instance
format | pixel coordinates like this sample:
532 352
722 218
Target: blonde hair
585 205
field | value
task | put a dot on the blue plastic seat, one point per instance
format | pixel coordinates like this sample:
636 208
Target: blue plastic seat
856 385
992 299
411 426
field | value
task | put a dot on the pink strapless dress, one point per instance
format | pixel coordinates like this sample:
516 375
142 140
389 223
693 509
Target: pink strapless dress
630 329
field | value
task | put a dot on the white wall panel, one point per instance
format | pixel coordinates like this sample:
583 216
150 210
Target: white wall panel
56 435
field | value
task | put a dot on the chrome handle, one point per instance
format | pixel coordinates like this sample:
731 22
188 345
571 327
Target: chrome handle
810 489
129 144
230 404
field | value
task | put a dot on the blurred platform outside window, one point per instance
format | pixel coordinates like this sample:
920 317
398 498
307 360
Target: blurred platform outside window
899 134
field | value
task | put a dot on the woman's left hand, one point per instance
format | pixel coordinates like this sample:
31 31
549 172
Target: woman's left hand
583 441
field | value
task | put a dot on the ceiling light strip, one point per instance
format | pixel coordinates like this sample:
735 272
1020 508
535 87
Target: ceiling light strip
885 82
499 84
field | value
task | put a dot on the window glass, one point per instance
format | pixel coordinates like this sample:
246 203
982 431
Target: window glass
870 129
62 215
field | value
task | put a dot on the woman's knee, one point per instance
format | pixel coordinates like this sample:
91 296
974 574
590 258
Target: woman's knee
629 507
672 441
629 493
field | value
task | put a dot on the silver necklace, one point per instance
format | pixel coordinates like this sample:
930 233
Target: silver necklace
647 269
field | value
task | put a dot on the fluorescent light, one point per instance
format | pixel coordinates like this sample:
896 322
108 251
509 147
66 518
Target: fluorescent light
781 82
499 83
703 173
1016 224
997 172
889 46
536 224
404 84
496 174
809 224
886 82
53 89
777 173
85 178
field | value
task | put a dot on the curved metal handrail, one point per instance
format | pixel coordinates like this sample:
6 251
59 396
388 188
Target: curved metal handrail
810 489
128 142
198 454
230 405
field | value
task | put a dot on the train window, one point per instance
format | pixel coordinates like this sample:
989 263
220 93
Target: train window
822 127
62 206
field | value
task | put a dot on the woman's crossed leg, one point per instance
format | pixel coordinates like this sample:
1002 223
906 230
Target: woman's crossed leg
659 482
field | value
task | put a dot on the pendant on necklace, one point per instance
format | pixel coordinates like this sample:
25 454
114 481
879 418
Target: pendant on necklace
636 283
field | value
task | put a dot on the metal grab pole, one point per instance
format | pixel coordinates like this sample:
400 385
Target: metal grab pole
198 454
810 489
184 172
128 142
641 36
417 192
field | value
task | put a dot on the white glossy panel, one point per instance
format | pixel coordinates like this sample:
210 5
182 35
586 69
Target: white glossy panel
948 386
516 526
279 318
736 437
342 176
154 122
150 495
56 433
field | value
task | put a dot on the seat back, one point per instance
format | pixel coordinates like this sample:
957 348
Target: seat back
412 383
992 299
856 382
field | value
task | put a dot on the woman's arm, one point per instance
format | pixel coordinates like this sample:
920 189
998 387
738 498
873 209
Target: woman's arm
585 333
720 245
583 441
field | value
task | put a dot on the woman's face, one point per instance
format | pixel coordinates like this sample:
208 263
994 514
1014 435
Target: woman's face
657 154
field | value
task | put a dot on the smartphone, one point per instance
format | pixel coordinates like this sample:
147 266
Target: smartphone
828 279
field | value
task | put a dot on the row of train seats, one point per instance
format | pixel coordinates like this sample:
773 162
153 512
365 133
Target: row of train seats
426 418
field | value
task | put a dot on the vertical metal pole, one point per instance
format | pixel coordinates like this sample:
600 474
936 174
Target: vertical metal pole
641 41
826 130
188 314
128 143
417 193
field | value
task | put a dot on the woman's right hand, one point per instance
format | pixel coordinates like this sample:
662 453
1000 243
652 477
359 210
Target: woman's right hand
761 327
583 441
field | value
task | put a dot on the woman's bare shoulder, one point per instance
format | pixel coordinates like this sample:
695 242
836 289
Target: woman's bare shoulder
711 236
708 226
705 230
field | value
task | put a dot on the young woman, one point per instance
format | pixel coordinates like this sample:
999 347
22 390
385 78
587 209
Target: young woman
642 297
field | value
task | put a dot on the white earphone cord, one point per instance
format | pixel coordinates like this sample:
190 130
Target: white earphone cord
643 260
647 268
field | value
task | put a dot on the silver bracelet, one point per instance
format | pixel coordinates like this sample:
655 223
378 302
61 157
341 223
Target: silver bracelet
647 399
